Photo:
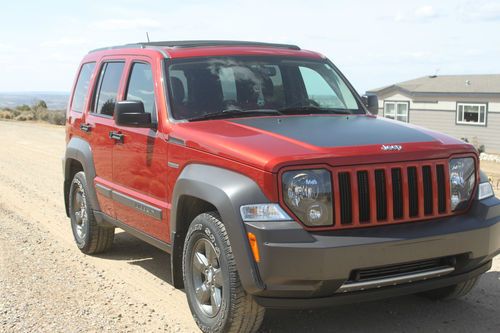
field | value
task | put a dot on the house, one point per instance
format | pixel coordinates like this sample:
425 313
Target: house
464 106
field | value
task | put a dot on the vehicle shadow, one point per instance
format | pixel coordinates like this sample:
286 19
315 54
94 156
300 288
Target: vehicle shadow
408 313
136 252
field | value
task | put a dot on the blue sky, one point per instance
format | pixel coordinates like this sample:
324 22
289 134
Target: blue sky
375 43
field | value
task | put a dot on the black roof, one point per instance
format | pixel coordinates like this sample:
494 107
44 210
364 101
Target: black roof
198 43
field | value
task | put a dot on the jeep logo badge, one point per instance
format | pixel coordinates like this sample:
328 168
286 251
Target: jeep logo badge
391 147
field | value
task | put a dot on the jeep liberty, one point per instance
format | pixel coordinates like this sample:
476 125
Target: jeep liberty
269 180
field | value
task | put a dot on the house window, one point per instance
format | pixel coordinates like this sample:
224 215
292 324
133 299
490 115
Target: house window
471 114
396 110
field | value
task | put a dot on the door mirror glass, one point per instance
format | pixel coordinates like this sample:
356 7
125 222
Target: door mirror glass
131 114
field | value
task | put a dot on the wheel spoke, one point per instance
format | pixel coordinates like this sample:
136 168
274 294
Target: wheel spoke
215 300
218 279
203 293
210 253
200 262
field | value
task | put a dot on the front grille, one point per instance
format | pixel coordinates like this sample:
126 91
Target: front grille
403 192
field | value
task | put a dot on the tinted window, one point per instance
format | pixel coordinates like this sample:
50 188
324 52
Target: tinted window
141 86
205 86
82 87
109 83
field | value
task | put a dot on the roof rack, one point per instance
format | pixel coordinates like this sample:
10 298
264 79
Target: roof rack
198 43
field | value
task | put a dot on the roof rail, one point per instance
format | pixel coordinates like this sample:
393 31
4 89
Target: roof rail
197 43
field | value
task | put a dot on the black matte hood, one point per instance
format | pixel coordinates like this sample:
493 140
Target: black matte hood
338 131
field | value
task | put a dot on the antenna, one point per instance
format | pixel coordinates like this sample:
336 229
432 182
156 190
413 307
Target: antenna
147 36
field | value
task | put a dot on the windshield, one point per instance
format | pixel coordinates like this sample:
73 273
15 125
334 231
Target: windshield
247 86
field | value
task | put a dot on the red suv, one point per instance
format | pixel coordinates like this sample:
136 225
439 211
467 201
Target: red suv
269 180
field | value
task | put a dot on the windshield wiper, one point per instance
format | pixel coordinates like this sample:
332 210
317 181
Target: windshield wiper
232 113
310 109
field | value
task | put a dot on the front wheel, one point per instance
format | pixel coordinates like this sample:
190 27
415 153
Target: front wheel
216 298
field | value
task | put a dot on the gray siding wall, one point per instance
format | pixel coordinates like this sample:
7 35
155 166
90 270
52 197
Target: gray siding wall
444 121
439 113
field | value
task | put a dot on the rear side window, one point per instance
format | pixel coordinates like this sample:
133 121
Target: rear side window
82 87
141 86
107 90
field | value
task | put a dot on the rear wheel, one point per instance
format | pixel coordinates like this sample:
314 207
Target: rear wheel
89 236
451 292
216 298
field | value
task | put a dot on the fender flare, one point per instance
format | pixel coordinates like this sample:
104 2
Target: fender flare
226 191
78 149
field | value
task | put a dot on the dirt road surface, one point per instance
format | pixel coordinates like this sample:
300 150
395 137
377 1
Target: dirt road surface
47 285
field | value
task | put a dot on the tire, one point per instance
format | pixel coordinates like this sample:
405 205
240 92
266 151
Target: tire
451 292
208 263
89 236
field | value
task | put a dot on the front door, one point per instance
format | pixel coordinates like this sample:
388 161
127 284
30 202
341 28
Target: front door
140 160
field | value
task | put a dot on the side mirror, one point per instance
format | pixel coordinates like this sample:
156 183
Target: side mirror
371 102
131 114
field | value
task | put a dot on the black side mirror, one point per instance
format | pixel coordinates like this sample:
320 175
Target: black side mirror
371 102
131 114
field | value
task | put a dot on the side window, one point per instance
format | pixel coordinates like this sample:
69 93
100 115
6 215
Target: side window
82 87
107 90
141 86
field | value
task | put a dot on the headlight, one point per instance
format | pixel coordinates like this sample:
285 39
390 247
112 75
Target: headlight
308 194
462 181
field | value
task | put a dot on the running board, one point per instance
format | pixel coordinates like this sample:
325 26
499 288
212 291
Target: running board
392 281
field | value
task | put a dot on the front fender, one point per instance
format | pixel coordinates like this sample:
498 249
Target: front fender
226 191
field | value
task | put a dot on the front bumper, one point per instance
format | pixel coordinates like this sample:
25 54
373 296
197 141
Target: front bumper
309 268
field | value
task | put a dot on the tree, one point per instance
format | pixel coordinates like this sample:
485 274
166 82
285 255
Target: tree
39 109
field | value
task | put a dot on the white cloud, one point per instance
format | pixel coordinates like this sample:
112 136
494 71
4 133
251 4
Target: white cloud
425 12
124 24
481 10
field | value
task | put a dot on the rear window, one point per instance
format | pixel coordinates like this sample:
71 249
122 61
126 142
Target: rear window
82 87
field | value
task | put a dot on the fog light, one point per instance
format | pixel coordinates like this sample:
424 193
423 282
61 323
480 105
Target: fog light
485 191
263 212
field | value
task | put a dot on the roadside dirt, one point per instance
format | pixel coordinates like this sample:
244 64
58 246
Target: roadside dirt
47 285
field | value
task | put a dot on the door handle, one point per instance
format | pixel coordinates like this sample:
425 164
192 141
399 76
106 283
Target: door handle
85 127
117 136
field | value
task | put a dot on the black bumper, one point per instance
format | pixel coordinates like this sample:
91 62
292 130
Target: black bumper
303 269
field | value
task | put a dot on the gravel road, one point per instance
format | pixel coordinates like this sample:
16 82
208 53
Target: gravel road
47 285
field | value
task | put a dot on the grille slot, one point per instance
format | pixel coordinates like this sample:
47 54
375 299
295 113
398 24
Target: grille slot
426 175
364 197
381 195
441 188
413 191
345 198
397 193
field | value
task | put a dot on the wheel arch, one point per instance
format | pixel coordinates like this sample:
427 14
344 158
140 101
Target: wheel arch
201 188
78 157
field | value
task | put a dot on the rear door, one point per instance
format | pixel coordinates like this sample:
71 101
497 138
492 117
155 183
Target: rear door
140 159
79 100
100 122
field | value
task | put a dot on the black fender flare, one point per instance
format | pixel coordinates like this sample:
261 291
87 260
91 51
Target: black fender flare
226 190
79 149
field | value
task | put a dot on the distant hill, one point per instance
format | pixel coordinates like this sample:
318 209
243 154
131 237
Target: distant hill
54 100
